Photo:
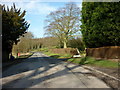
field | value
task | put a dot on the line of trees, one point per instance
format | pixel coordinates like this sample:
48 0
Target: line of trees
28 43
14 25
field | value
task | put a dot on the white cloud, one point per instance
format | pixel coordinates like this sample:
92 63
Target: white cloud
32 7
36 7
61 0
42 0
39 8
15 1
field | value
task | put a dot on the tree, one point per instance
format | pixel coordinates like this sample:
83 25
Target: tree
64 23
49 42
13 26
100 24
77 43
25 44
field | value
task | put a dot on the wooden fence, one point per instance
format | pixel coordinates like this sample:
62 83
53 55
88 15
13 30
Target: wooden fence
71 51
110 52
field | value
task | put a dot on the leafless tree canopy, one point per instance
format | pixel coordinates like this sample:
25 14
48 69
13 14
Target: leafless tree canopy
64 23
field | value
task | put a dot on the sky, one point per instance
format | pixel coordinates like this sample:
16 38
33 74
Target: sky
37 10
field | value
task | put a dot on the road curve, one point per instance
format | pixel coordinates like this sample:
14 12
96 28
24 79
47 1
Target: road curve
40 71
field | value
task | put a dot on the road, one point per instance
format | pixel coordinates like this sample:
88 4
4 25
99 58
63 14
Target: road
40 71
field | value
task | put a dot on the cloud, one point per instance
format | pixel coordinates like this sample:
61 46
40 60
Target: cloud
32 7
14 1
42 0
39 8
36 7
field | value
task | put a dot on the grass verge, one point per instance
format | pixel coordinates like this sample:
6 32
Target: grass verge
85 60
93 62
58 56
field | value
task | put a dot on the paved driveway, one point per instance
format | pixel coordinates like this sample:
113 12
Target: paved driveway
40 71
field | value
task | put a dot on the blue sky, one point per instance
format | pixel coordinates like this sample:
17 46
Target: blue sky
37 11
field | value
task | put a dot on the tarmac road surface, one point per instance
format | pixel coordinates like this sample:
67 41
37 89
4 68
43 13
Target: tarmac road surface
41 71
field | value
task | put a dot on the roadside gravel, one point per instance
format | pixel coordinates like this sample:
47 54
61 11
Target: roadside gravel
113 72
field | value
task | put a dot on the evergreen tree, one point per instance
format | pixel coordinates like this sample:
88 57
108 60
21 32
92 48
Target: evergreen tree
101 23
13 26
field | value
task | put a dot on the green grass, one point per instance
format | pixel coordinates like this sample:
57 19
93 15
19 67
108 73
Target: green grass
55 55
85 60
94 62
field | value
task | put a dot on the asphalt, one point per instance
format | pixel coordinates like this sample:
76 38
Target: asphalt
41 71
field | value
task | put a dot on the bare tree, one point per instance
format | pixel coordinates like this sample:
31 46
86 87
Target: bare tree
25 43
64 23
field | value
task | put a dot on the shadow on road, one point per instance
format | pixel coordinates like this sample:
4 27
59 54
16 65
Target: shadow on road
36 71
25 69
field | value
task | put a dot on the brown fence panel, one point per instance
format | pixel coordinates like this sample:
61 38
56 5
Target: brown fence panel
71 51
110 52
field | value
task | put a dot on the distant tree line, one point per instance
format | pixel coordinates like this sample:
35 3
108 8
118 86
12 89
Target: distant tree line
28 43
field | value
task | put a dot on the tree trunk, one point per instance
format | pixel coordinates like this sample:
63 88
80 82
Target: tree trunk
6 50
65 44
5 56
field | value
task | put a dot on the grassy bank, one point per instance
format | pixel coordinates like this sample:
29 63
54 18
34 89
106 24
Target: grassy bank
85 60
55 55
